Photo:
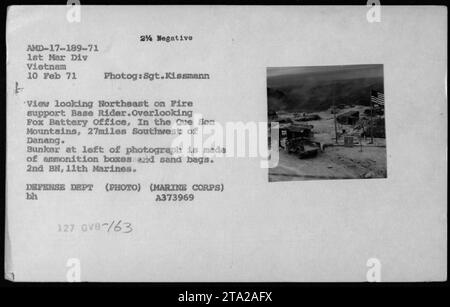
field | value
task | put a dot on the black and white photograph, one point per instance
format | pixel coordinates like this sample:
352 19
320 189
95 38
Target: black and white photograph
331 122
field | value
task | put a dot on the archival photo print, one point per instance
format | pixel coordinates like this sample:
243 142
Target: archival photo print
331 122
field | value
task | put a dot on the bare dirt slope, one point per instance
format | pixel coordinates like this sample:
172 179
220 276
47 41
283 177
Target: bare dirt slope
334 163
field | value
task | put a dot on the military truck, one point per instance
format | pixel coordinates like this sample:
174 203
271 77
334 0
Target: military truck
298 139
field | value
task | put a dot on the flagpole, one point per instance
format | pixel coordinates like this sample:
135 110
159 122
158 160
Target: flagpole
371 119
334 114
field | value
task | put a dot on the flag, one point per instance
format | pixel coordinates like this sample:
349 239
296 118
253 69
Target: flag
377 98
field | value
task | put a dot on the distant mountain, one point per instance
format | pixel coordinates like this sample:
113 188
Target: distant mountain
313 92
277 99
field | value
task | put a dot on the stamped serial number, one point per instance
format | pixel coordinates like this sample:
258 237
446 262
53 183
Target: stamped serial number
114 226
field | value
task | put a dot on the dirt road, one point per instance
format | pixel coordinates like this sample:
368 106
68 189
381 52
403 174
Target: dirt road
334 163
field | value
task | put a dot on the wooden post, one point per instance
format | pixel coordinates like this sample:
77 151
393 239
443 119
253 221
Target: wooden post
334 114
360 138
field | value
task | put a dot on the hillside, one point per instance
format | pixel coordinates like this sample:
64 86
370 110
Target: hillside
314 91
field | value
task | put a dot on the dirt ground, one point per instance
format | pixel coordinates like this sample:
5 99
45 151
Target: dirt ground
335 162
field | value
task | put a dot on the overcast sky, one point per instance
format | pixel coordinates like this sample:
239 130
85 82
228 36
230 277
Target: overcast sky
372 70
